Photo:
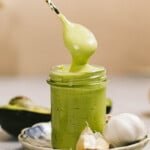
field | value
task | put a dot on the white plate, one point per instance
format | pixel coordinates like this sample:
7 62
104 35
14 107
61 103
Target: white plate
38 138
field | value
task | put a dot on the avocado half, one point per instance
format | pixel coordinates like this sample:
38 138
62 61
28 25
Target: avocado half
108 105
20 113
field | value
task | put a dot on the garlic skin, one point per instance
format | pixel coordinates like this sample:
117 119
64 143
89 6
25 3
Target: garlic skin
124 129
91 141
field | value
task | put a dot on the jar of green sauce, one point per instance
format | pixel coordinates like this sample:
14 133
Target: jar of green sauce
77 100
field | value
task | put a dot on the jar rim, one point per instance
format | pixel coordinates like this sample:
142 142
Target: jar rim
60 77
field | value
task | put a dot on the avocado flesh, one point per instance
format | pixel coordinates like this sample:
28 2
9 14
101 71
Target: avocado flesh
36 109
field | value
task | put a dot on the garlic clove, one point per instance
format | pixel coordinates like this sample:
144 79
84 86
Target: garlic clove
92 141
124 129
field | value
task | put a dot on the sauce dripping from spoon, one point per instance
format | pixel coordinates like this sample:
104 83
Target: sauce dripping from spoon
80 41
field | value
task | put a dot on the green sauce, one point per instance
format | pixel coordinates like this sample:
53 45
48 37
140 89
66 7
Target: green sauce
80 42
78 91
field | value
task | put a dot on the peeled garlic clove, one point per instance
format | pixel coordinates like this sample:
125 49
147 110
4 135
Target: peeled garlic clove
101 144
92 141
124 129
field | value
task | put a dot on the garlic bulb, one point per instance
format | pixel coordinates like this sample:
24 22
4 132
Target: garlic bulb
124 129
91 141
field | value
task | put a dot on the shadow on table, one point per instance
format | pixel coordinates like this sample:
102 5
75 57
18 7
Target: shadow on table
8 142
6 137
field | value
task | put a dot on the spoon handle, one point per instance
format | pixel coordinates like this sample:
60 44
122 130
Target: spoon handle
52 6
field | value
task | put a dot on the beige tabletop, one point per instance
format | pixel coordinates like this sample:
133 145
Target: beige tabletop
129 94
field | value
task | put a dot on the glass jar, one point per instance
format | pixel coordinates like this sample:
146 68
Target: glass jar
77 99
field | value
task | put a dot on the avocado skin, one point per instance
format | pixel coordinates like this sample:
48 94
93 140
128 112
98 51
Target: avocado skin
108 109
109 103
13 121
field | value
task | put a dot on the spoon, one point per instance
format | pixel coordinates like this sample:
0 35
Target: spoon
52 6
80 42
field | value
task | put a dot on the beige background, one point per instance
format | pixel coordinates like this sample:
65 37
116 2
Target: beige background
31 35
